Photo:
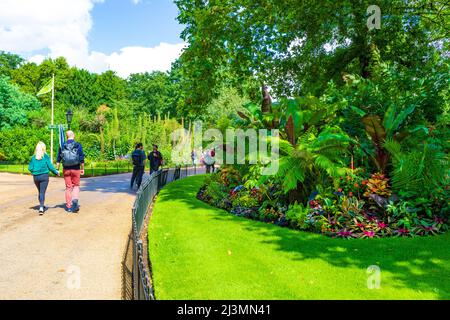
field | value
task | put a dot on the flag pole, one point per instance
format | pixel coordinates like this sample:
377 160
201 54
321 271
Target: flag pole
53 98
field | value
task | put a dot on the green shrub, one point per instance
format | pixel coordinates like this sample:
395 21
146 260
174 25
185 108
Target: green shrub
297 216
215 191
245 199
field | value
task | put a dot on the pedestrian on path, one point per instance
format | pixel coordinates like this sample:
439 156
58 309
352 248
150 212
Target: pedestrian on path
156 159
193 157
139 157
210 160
72 157
40 167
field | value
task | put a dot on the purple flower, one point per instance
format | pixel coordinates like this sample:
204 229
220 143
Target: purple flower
344 233
439 220
369 234
381 225
403 231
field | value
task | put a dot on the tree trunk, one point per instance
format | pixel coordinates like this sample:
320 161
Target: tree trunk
295 195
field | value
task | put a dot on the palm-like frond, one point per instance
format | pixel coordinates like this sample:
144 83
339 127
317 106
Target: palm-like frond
313 155
419 171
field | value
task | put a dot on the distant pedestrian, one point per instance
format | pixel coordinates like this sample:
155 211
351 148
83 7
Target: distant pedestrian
193 158
72 157
40 166
139 157
156 159
209 160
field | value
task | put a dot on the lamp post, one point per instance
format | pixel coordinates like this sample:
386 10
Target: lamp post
69 116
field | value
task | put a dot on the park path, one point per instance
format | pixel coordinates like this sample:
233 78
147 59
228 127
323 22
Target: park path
60 255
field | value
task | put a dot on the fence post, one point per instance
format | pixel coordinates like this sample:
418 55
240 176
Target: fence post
105 168
92 169
117 167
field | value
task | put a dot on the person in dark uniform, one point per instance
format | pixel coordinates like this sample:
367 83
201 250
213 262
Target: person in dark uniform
155 158
139 157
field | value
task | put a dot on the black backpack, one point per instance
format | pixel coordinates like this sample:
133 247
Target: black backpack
69 155
136 156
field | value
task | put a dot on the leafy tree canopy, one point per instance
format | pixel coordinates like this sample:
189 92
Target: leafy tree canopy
14 105
297 46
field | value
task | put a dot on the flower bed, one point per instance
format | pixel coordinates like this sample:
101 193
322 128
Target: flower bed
358 207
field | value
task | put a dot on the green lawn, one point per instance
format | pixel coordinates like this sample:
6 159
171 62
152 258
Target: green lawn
200 252
89 171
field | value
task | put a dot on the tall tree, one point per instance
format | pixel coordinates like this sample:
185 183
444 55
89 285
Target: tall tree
82 90
110 87
14 105
297 46
153 91
9 62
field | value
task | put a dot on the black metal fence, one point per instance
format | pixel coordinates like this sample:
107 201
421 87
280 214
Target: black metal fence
136 272
90 170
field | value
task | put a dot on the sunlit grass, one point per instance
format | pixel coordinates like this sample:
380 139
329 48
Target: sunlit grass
201 252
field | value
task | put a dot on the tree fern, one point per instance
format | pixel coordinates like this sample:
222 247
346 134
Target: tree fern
312 157
419 172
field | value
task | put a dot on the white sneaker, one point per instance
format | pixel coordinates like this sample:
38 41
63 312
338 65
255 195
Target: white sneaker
41 211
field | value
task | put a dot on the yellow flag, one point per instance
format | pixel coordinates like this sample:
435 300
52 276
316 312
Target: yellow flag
47 88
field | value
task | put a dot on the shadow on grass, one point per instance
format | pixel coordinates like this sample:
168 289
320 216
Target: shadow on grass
421 263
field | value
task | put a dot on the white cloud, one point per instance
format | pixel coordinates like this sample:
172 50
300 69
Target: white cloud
62 27
140 59
136 1
28 25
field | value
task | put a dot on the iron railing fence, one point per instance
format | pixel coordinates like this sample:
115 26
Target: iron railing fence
141 267
90 170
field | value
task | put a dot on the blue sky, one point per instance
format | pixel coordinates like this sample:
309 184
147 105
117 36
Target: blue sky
121 23
126 36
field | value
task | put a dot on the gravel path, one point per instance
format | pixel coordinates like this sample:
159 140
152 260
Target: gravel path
60 255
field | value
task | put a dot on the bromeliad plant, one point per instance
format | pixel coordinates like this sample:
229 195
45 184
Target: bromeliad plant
317 187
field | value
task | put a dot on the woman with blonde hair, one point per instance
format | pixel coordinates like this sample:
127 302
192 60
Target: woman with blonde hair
40 166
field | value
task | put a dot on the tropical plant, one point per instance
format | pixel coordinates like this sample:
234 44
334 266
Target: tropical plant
389 128
297 216
315 157
378 184
418 173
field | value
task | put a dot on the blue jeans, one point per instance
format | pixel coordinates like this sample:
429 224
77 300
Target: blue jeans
41 183
138 172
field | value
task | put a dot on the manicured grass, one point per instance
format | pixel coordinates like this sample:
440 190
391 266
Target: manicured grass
14 168
89 171
200 252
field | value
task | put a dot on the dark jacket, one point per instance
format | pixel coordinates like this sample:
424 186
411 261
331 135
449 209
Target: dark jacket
141 154
80 153
155 161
